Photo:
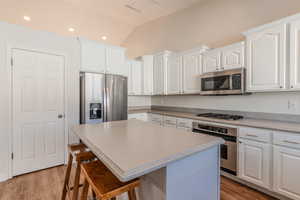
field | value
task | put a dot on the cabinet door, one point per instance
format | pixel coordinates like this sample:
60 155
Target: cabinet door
130 80
93 56
174 75
295 55
136 77
233 56
115 61
158 74
254 162
148 74
286 171
191 69
266 60
211 61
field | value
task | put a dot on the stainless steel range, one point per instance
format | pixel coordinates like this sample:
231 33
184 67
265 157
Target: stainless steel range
229 134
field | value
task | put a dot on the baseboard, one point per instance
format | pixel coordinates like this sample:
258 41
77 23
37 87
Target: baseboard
3 177
255 187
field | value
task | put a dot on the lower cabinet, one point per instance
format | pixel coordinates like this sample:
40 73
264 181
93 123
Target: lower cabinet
140 116
286 172
254 162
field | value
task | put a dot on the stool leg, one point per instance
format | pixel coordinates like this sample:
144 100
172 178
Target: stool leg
76 182
131 194
85 190
67 177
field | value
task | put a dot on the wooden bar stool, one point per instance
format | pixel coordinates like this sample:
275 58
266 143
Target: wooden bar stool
103 183
81 154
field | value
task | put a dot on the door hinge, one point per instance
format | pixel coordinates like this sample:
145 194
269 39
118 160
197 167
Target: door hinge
12 62
12 156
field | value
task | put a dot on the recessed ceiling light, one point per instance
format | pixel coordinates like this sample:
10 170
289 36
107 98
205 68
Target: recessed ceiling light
26 18
71 29
104 38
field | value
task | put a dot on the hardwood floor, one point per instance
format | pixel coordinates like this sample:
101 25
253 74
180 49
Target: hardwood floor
47 185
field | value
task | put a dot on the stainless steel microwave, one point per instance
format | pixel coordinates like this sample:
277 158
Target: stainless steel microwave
228 82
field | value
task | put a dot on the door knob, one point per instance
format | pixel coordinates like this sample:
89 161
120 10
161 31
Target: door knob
60 116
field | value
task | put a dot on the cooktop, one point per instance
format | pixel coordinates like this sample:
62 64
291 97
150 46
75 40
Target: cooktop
221 116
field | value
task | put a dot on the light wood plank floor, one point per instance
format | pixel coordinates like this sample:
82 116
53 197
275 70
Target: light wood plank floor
47 185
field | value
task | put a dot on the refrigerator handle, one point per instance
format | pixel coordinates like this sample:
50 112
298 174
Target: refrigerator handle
104 105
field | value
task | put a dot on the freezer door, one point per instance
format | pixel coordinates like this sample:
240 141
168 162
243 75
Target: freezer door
116 98
92 98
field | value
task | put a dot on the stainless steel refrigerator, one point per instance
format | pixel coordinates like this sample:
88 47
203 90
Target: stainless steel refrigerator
103 98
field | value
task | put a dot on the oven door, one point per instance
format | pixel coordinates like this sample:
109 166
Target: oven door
228 157
215 83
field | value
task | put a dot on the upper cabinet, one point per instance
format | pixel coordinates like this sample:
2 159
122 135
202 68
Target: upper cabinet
192 69
147 61
159 69
174 75
135 77
100 58
233 56
115 61
229 57
211 61
93 56
295 55
266 59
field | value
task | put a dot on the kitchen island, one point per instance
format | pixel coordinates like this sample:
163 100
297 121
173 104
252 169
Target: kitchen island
172 164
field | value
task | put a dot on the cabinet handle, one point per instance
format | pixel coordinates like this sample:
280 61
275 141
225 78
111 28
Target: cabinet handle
290 142
250 135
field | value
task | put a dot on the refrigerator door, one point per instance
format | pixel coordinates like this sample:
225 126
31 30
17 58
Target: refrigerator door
92 98
116 98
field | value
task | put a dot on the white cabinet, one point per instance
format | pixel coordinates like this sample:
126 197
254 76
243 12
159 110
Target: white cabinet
139 116
185 124
93 56
286 171
136 77
191 70
159 68
169 121
266 59
174 75
225 58
100 58
233 56
295 55
147 74
115 61
211 61
254 162
156 119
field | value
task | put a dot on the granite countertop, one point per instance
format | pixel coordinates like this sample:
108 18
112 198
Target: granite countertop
133 148
249 122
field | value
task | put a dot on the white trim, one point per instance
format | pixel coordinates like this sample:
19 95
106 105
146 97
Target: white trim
9 49
271 24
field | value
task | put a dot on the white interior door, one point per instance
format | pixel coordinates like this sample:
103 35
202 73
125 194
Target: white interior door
38 102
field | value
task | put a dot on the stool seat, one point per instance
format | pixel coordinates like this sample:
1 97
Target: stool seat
104 183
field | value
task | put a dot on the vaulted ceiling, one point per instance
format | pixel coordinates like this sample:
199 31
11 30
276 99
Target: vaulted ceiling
92 19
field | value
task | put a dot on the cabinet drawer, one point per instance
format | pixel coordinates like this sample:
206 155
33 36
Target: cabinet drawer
262 135
170 121
156 118
184 123
286 139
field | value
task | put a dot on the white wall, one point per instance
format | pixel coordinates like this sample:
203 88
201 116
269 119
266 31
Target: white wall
139 101
258 102
12 35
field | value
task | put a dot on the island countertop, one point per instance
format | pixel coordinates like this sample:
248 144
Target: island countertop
133 148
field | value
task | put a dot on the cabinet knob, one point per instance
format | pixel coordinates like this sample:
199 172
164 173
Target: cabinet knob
281 87
292 86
